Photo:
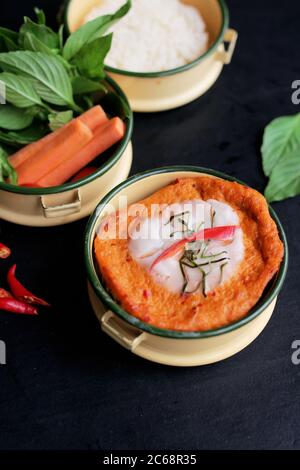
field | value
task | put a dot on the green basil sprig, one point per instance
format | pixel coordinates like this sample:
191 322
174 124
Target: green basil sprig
6 171
92 30
281 158
49 80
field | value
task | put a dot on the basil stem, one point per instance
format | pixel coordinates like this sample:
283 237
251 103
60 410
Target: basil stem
204 276
204 264
212 216
222 271
185 283
174 216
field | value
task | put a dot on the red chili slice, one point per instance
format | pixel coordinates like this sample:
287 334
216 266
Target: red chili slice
217 233
20 292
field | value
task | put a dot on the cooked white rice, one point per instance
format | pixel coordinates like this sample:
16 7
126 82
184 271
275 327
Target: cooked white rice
155 35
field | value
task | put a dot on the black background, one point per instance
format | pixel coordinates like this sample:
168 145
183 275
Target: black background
68 386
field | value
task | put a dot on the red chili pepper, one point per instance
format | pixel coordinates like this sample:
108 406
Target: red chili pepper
84 173
5 252
16 306
217 233
4 294
20 292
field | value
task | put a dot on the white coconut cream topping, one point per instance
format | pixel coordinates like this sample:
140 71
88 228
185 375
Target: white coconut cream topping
200 266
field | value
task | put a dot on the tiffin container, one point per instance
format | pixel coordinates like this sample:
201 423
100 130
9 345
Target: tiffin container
159 91
176 348
42 207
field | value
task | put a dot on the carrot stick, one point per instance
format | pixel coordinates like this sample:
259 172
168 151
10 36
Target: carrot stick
104 138
87 171
93 118
72 138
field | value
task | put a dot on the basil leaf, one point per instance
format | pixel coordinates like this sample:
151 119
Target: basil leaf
3 160
6 170
48 74
40 15
7 139
32 43
6 45
285 179
90 60
38 112
8 40
83 85
42 32
14 119
58 120
61 37
91 31
87 100
23 137
19 90
281 161
30 134
281 139
10 34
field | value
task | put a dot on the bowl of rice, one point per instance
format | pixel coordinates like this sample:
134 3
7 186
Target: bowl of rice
165 53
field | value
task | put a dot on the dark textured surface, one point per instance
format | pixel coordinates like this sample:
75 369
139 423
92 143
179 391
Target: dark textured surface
66 385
